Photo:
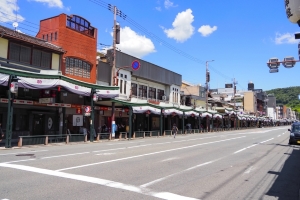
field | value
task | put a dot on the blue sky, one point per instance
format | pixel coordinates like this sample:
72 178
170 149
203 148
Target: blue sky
239 35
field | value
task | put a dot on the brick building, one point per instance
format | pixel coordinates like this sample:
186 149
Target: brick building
75 35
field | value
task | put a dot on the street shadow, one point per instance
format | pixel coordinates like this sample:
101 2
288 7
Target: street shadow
287 184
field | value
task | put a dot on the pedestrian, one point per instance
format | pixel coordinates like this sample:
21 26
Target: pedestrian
174 130
1 133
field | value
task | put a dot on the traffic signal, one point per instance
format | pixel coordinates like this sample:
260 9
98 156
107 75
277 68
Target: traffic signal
117 34
207 76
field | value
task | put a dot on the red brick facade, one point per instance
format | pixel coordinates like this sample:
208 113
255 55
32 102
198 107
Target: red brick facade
79 43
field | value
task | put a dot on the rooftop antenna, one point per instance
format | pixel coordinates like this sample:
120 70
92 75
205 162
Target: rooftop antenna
15 24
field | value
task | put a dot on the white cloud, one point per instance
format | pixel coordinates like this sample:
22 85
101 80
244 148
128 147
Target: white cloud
206 30
133 43
51 3
169 4
182 26
8 11
158 8
286 38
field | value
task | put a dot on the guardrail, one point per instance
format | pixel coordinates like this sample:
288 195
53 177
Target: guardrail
46 139
67 138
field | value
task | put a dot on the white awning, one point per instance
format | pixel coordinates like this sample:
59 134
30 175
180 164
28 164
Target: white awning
37 83
143 109
173 111
107 93
84 91
206 114
189 113
4 79
217 116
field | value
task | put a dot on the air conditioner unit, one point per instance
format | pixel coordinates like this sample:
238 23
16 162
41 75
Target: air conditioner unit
164 98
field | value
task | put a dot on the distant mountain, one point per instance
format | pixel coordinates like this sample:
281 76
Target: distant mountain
287 96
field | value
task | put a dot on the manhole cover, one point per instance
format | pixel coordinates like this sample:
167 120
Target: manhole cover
25 155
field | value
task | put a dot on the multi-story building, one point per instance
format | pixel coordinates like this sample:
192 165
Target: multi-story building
49 97
250 102
193 95
79 39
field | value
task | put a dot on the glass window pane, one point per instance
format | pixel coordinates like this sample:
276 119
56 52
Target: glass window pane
36 57
25 54
14 52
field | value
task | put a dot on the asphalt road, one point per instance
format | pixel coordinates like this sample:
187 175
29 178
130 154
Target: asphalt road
243 164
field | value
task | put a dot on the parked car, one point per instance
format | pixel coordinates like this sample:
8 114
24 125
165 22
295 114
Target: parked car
295 133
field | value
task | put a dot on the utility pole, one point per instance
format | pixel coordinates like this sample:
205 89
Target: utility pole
234 102
207 76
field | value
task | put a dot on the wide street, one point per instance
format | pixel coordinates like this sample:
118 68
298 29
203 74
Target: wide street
242 164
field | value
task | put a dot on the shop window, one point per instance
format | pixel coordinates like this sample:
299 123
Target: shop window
79 24
121 86
78 67
152 93
143 91
125 85
134 89
28 55
160 94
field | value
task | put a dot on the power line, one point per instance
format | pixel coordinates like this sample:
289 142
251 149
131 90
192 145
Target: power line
153 36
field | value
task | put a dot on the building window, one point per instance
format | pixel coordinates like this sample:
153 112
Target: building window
152 93
143 91
55 36
134 89
121 86
81 25
43 37
29 55
47 37
125 84
160 94
51 37
125 76
78 67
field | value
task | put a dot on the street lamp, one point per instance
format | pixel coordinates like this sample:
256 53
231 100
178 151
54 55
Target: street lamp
207 81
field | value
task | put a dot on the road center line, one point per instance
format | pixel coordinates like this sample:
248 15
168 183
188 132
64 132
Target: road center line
64 155
22 152
103 182
252 146
148 154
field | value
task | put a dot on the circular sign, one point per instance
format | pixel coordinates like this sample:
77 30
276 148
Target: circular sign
135 65
87 109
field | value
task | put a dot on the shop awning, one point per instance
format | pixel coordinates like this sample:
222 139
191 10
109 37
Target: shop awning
77 89
37 83
4 79
144 109
173 111
206 114
190 113
107 93
217 116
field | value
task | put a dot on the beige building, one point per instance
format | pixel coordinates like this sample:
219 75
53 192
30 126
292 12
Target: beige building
193 94
250 104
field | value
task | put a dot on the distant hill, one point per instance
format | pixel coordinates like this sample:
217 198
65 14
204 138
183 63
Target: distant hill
287 96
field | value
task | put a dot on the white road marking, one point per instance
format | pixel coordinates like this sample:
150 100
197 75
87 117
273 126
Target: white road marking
169 159
162 143
20 160
105 154
21 152
103 182
249 170
148 154
251 146
126 143
64 155
177 173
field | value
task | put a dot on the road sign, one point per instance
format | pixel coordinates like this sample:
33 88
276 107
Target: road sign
87 109
135 65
